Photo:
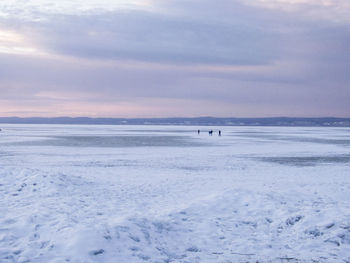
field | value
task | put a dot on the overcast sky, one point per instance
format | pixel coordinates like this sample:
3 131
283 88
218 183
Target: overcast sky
167 58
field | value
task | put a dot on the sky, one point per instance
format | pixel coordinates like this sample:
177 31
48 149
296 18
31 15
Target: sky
175 58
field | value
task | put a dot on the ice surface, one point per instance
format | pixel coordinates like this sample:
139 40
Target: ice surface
166 194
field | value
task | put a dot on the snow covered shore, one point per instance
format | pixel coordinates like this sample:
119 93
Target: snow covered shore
165 194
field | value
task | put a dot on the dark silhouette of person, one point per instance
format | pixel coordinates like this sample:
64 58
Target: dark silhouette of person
219 133
210 132
198 131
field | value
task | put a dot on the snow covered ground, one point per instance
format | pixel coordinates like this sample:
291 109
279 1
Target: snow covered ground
165 194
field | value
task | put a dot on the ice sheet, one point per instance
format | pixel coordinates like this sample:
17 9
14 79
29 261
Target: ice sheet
166 194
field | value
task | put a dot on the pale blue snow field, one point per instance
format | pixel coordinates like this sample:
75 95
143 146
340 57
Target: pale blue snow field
115 194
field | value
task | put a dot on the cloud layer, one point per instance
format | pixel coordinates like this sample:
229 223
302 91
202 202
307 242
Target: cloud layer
174 58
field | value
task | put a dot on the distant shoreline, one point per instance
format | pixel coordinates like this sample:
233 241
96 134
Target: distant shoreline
196 121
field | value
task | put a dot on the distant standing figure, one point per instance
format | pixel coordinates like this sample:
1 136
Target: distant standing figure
219 133
210 132
198 131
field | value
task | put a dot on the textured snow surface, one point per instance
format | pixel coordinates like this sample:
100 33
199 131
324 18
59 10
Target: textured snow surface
166 194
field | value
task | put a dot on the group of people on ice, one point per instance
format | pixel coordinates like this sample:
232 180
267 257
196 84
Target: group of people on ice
210 132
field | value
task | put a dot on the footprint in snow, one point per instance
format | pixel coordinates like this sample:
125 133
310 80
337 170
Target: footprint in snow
97 252
193 249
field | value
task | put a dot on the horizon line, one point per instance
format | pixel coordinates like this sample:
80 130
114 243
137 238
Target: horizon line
185 121
176 117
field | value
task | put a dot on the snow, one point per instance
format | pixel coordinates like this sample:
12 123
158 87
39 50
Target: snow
166 194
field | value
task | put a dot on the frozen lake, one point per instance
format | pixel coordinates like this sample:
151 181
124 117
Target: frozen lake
167 194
